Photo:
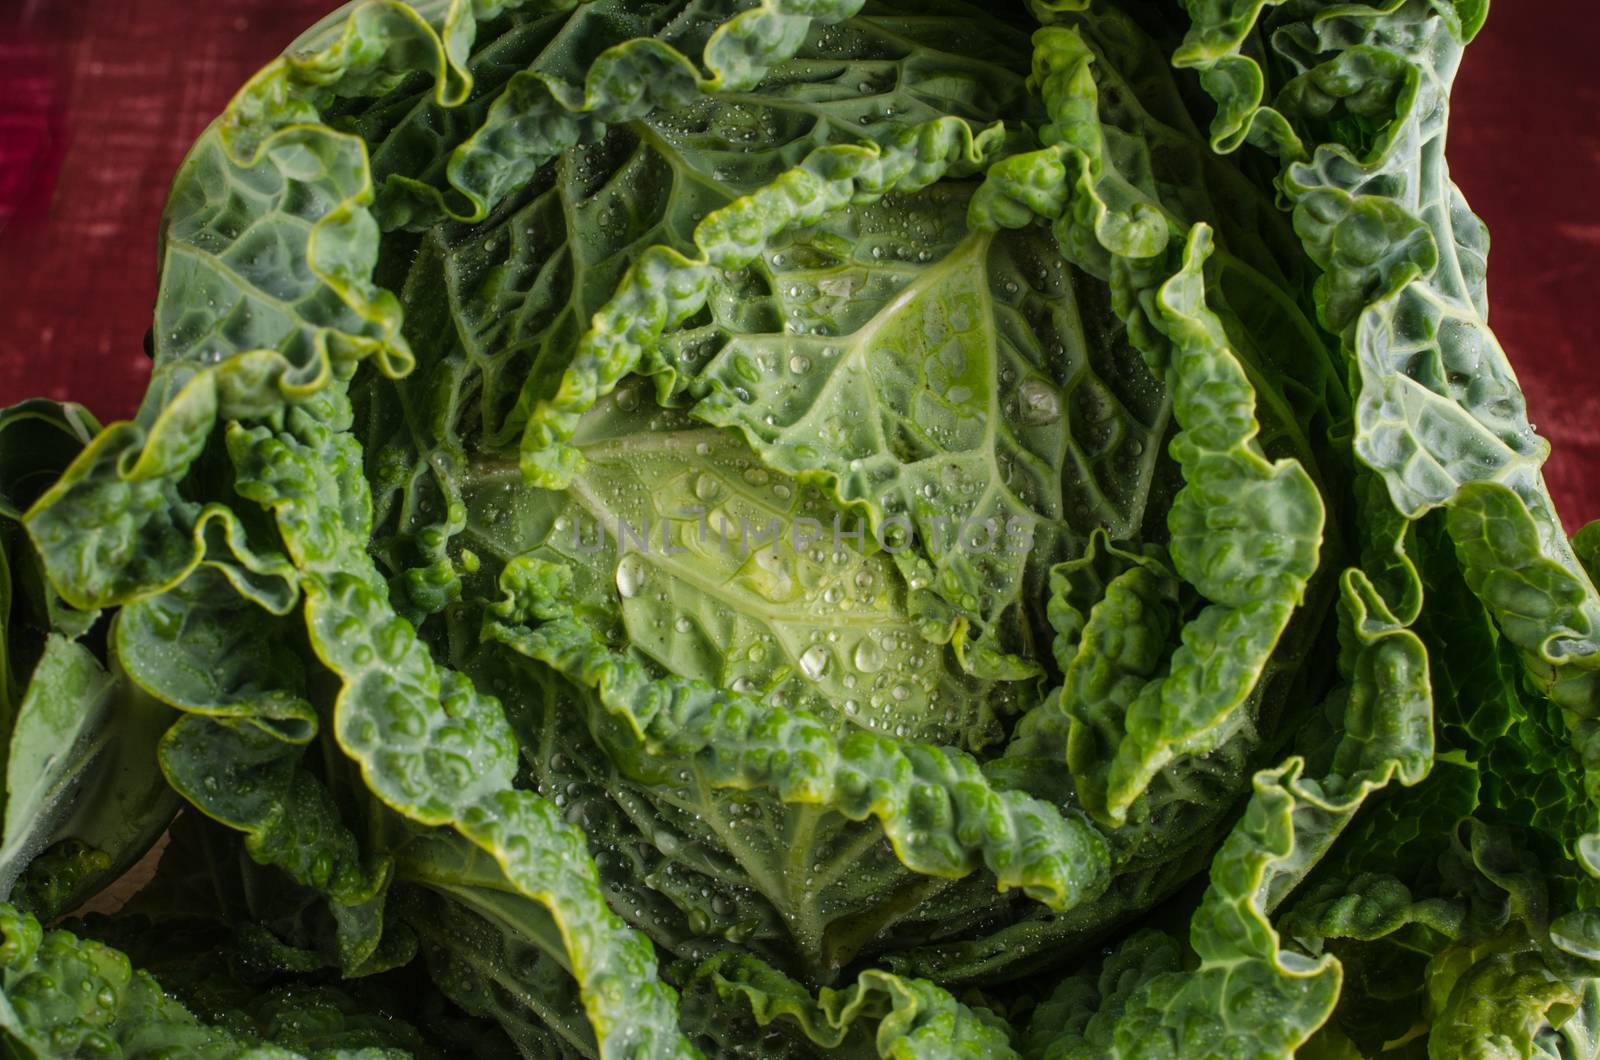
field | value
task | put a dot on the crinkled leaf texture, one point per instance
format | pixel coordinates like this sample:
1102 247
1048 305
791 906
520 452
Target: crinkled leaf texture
782 528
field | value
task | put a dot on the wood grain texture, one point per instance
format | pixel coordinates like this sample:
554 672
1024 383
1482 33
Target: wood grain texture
99 100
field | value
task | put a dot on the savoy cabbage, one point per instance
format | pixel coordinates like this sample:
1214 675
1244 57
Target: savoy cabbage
909 528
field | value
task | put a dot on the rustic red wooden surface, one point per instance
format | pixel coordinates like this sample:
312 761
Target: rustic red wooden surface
100 98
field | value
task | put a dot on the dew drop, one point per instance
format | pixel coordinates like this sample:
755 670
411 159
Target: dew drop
1039 403
814 661
868 656
631 574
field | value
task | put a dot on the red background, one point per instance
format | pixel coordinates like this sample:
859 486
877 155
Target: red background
99 99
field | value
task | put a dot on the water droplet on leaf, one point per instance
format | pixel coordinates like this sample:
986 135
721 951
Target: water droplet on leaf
814 662
631 574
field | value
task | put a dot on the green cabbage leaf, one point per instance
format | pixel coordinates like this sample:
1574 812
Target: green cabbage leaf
790 528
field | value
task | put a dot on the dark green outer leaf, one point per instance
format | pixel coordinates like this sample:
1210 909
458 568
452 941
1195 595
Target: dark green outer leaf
1439 415
80 768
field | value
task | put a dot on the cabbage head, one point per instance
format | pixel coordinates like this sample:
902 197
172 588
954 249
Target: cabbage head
788 528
